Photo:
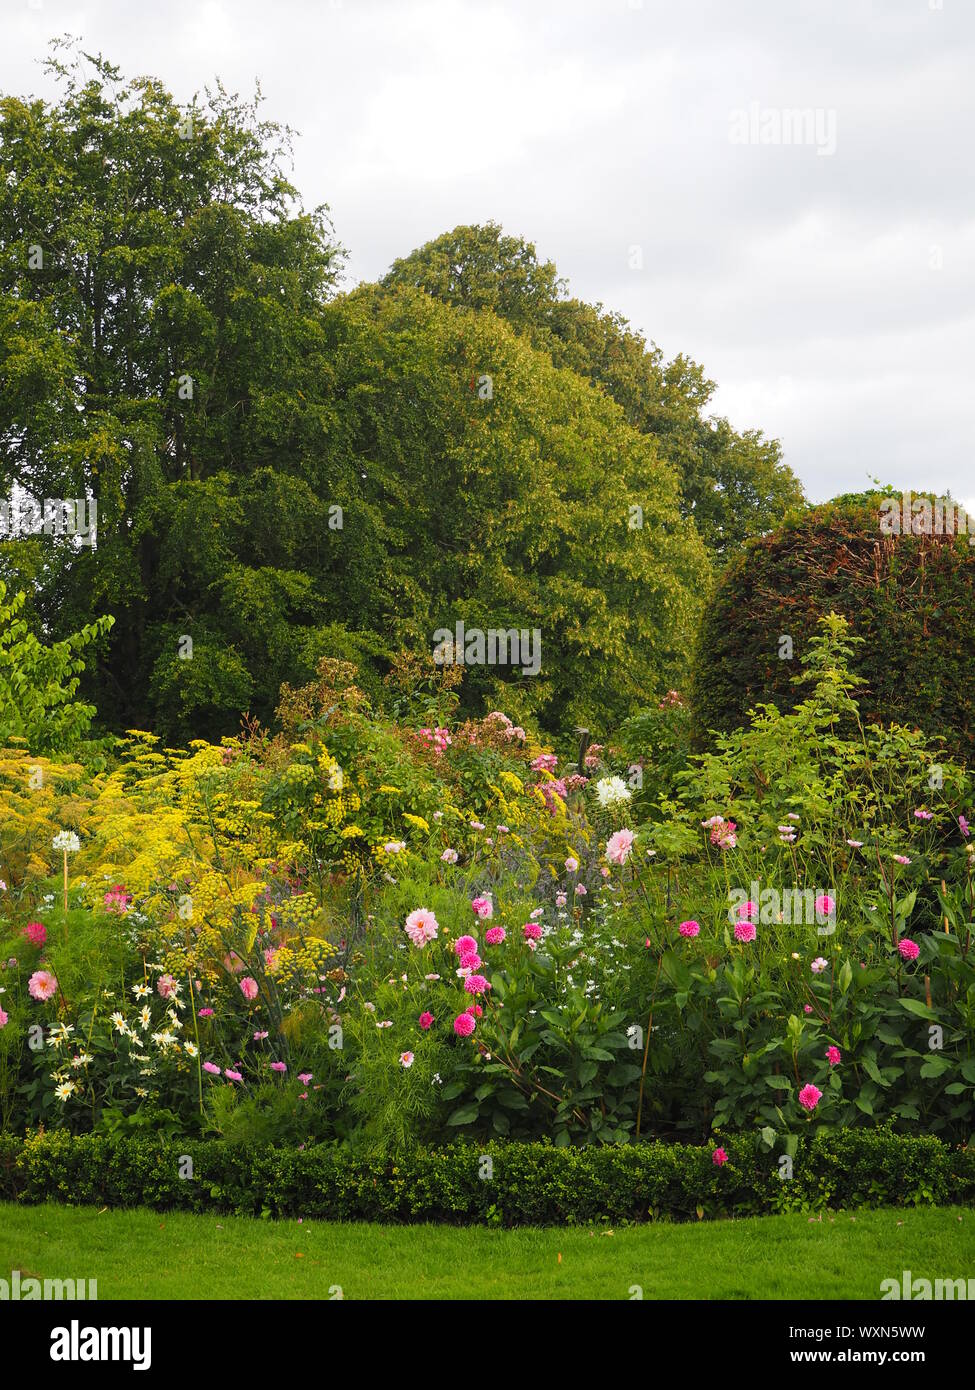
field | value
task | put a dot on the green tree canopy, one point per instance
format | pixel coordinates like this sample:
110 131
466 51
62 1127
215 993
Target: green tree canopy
734 485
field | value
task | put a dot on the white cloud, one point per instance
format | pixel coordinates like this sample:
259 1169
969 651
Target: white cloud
832 298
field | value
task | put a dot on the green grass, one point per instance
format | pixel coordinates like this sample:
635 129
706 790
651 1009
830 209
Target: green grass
144 1254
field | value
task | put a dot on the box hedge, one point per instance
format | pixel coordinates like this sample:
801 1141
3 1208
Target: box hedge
505 1184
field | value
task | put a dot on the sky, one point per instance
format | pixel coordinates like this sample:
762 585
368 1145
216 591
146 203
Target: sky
783 191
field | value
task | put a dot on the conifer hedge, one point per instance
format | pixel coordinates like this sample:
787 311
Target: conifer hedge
911 597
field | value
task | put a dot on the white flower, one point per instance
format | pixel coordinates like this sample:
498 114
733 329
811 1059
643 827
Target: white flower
66 840
611 790
141 991
67 1088
190 1049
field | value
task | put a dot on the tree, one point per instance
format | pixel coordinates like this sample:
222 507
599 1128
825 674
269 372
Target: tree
38 684
734 485
161 352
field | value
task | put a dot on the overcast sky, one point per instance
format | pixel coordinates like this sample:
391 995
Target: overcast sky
824 281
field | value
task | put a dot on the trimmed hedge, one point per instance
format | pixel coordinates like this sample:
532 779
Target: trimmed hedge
911 598
525 1185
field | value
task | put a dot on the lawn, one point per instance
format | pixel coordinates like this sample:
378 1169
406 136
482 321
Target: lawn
144 1254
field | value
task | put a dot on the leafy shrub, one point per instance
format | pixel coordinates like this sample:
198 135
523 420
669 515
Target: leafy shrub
503 1184
911 598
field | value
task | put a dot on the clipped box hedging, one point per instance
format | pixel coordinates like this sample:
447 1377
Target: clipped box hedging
504 1184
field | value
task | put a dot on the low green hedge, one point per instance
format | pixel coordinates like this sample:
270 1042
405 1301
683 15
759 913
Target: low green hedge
523 1184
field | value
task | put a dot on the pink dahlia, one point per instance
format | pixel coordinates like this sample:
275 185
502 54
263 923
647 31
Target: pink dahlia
833 1056
810 1096
470 960
483 907
719 1157
825 905
618 846
465 945
425 1020
690 928
746 909
476 984
464 1025
166 986
745 931
909 949
42 985
494 936
532 931
248 987
421 926
35 932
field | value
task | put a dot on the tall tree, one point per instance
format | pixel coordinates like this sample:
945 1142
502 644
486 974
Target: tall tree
734 485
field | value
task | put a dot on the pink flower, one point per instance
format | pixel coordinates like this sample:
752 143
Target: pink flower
833 1056
810 1096
4 1019
279 1066
464 1025
271 958
963 827
618 846
232 1075
807 1008
901 859
745 931
425 1019
819 965
476 984
689 928
532 931
604 871
166 986
449 856
923 815
305 1076
719 1157
205 1013
465 945
560 900
421 926
248 987
494 936
406 1059
825 905
483 907
117 900
42 985
746 909
35 932
211 1068
259 1037
571 864
581 890
470 960
909 949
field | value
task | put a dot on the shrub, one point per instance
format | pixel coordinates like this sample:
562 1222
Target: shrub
504 1184
910 597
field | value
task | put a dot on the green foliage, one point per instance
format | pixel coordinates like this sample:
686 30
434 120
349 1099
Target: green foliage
38 683
734 485
528 1185
909 598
